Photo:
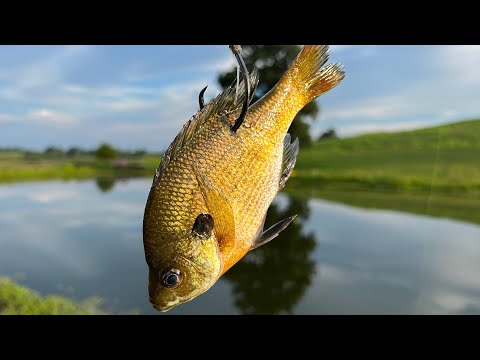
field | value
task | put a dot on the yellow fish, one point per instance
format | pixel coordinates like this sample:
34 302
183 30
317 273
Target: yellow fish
210 195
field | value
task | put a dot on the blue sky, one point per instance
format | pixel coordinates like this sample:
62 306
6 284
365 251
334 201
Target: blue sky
140 96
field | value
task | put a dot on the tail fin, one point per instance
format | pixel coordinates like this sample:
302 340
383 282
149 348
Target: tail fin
307 70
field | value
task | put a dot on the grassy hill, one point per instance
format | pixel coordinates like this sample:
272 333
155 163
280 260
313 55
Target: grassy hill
444 158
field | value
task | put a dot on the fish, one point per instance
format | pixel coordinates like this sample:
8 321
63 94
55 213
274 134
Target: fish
209 197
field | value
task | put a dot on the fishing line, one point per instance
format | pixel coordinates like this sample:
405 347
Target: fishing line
428 206
238 83
434 171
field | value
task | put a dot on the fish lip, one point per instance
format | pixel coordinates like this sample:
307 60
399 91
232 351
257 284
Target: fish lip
161 308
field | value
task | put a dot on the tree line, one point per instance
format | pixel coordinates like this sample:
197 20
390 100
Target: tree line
103 151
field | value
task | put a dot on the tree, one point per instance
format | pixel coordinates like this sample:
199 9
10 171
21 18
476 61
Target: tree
139 152
273 278
73 151
329 134
53 151
272 61
106 151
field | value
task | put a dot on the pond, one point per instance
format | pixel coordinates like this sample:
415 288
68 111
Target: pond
84 239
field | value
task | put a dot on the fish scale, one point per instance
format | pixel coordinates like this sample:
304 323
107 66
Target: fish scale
231 176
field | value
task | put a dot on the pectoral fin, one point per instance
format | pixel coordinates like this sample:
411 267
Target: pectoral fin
220 209
290 152
272 232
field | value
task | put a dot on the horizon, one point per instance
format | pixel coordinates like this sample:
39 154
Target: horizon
160 152
139 97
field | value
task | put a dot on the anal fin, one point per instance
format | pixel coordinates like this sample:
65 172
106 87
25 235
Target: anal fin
272 232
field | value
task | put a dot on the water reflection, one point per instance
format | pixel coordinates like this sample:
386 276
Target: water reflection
273 278
68 235
105 184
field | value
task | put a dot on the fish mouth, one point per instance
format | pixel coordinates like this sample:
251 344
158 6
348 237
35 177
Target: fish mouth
162 308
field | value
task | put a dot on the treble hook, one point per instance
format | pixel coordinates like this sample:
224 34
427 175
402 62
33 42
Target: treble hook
200 97
236 49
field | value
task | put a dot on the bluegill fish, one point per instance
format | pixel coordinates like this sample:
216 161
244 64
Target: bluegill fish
210 195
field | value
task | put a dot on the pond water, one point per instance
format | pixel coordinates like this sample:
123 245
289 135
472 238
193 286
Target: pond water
84 239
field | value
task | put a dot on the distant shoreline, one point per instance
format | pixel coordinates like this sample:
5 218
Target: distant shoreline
444 159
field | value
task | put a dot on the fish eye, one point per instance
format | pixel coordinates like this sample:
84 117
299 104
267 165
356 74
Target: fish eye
171 278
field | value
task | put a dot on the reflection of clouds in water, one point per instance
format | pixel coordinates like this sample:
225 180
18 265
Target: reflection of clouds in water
451 271
333 274
365 261
448 302
430 264
386 218
45 243
51 195
281 201
140 185
336 275
52 191
41 192
5 191
126 208
63 225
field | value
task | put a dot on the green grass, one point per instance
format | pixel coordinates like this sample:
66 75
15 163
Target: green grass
444 158
15 167
16 299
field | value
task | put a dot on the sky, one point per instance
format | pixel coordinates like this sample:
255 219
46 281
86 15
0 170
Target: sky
140 96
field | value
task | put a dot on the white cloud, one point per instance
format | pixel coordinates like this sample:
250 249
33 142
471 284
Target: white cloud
51 117
358 50
132 104
75 89
40 75
377 108
334 49
366 128
6 118
222 64
460 62
441 88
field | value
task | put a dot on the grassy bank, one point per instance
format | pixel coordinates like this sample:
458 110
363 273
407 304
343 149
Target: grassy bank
16 299
16 167
444 158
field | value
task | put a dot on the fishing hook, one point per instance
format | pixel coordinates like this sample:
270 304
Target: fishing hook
236 49
200 97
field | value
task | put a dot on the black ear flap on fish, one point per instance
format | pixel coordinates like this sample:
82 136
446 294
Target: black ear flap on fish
203 226
220 210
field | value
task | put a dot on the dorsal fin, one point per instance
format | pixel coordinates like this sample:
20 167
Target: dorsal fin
228 101
290 152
